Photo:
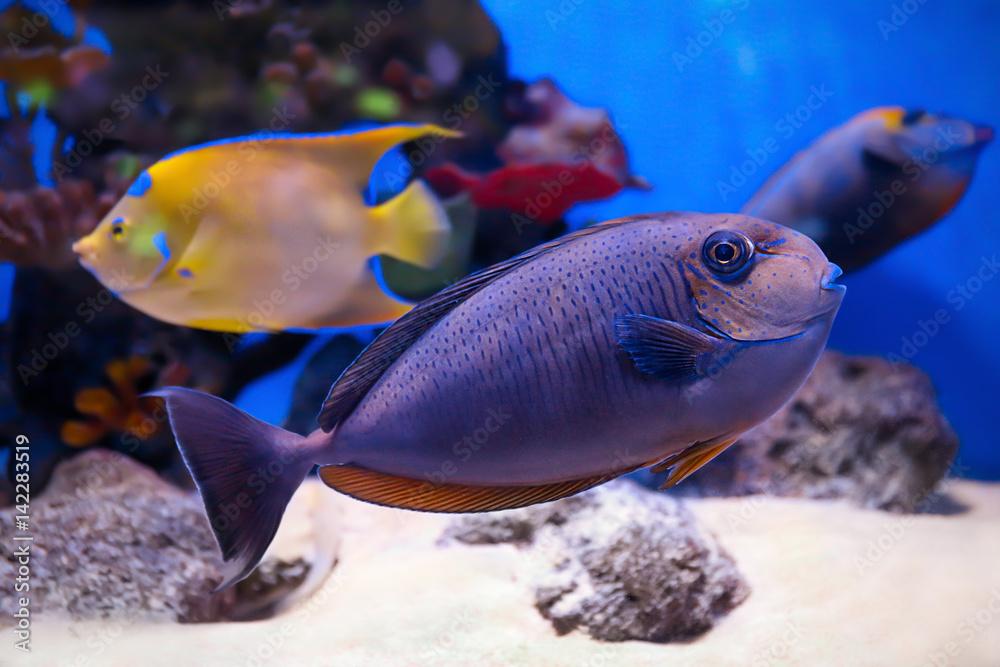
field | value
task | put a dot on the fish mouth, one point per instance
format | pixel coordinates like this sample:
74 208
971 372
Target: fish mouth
829 282
86 255
831 295
84 250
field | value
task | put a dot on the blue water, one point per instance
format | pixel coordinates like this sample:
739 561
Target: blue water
689 119
690 113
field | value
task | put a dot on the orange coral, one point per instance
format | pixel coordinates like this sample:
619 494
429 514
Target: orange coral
121 408
58 68
38 226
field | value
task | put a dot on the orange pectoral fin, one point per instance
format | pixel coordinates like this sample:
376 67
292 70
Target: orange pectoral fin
685 463
426 496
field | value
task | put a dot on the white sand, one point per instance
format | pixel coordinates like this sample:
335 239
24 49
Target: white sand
832 585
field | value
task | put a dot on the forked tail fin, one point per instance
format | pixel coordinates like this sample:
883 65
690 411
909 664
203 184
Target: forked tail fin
246 472
412 226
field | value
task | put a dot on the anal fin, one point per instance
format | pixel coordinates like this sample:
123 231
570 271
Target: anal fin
686 462
426 496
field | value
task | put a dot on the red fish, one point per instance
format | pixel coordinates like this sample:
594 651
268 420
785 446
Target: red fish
542 192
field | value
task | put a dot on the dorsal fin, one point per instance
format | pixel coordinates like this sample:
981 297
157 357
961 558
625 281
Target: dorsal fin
365 371
358 152
352 154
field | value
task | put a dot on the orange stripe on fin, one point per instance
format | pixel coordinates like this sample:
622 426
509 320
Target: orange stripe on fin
425 496
686 462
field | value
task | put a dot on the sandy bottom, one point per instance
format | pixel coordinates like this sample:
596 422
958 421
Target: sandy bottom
832 585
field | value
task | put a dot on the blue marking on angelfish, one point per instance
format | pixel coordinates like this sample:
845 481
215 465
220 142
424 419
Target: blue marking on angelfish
773 244
185 273
375 266
141 185
160 241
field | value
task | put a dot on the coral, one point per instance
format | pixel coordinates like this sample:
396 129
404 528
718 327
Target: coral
557 130
121 544
38 226
619 562
290 68
120 409
50 68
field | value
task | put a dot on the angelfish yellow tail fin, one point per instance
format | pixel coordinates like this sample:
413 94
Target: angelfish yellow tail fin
412 227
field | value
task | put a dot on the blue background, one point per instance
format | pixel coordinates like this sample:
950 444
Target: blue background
688 125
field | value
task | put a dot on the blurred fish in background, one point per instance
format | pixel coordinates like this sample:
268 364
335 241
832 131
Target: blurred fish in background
883 177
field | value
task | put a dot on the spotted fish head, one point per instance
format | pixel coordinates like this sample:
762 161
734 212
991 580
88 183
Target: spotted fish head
133 243
752 280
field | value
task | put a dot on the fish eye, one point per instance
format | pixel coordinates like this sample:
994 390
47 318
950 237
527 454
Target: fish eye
726 252
118 229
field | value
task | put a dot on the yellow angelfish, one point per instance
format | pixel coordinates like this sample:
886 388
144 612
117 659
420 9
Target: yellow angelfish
264 234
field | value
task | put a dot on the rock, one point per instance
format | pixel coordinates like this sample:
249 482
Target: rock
861 428
619 562
113 540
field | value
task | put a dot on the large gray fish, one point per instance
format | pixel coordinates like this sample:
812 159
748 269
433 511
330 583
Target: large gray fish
648 341
877 180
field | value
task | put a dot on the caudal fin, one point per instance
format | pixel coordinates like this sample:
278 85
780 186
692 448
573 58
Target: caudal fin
413 227
246 472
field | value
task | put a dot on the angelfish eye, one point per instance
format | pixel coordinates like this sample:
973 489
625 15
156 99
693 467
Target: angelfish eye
118 229
726 252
